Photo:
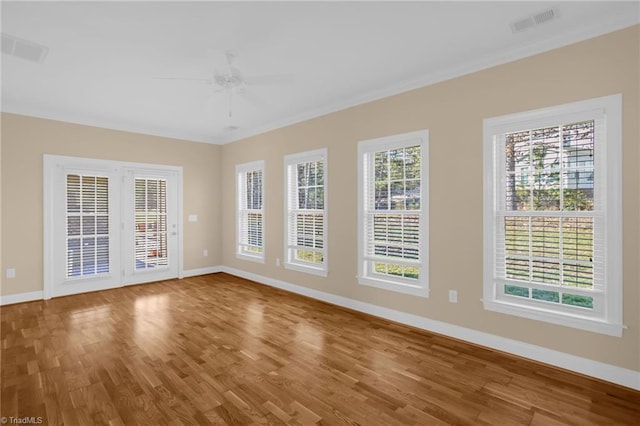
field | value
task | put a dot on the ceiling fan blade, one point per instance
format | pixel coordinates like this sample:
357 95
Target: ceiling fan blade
204 80
268 80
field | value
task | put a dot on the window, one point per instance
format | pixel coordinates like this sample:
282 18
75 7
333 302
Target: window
306 219
250 223
393 213
87 227
552 219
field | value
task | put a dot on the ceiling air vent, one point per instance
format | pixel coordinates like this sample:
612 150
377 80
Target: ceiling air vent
545 16
533 20
23 49
522 25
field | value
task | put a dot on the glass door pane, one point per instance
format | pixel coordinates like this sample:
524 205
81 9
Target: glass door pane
87 226
150 225
151 232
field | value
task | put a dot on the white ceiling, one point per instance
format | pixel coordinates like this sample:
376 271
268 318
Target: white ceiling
105 58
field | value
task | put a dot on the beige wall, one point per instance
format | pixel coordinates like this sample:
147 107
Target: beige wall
453 112
24 142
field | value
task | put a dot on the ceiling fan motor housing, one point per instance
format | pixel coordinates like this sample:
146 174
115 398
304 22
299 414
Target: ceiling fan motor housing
229 80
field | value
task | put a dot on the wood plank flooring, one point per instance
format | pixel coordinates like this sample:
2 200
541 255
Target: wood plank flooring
218 349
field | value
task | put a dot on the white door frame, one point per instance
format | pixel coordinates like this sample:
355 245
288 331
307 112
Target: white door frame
54 164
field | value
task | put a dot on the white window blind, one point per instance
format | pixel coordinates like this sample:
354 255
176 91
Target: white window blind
549 247
87 214
306 221
549 218
250 225
151 232
394 213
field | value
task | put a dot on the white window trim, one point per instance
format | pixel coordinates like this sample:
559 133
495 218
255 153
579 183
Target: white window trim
291 161
243 169
419 288
610 109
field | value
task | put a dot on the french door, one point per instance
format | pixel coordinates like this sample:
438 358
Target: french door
150 242
108 224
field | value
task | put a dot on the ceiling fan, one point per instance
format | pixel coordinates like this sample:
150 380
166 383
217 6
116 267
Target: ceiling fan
231 80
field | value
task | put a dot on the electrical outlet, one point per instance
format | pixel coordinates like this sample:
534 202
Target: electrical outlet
205 252
11 272
453 296
278 262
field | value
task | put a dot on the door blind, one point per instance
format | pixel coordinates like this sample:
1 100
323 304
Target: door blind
87 213
151 223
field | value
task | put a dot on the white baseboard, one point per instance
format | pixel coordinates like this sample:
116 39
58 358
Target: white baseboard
10 299
201 271
597 369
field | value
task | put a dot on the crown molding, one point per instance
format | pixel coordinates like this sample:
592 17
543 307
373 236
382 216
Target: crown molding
524 51
10 108
521 52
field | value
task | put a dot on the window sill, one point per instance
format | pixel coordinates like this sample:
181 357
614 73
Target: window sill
257 259
575 321
397 287
306 269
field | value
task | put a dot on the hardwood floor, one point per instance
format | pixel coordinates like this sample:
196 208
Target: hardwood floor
218 349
